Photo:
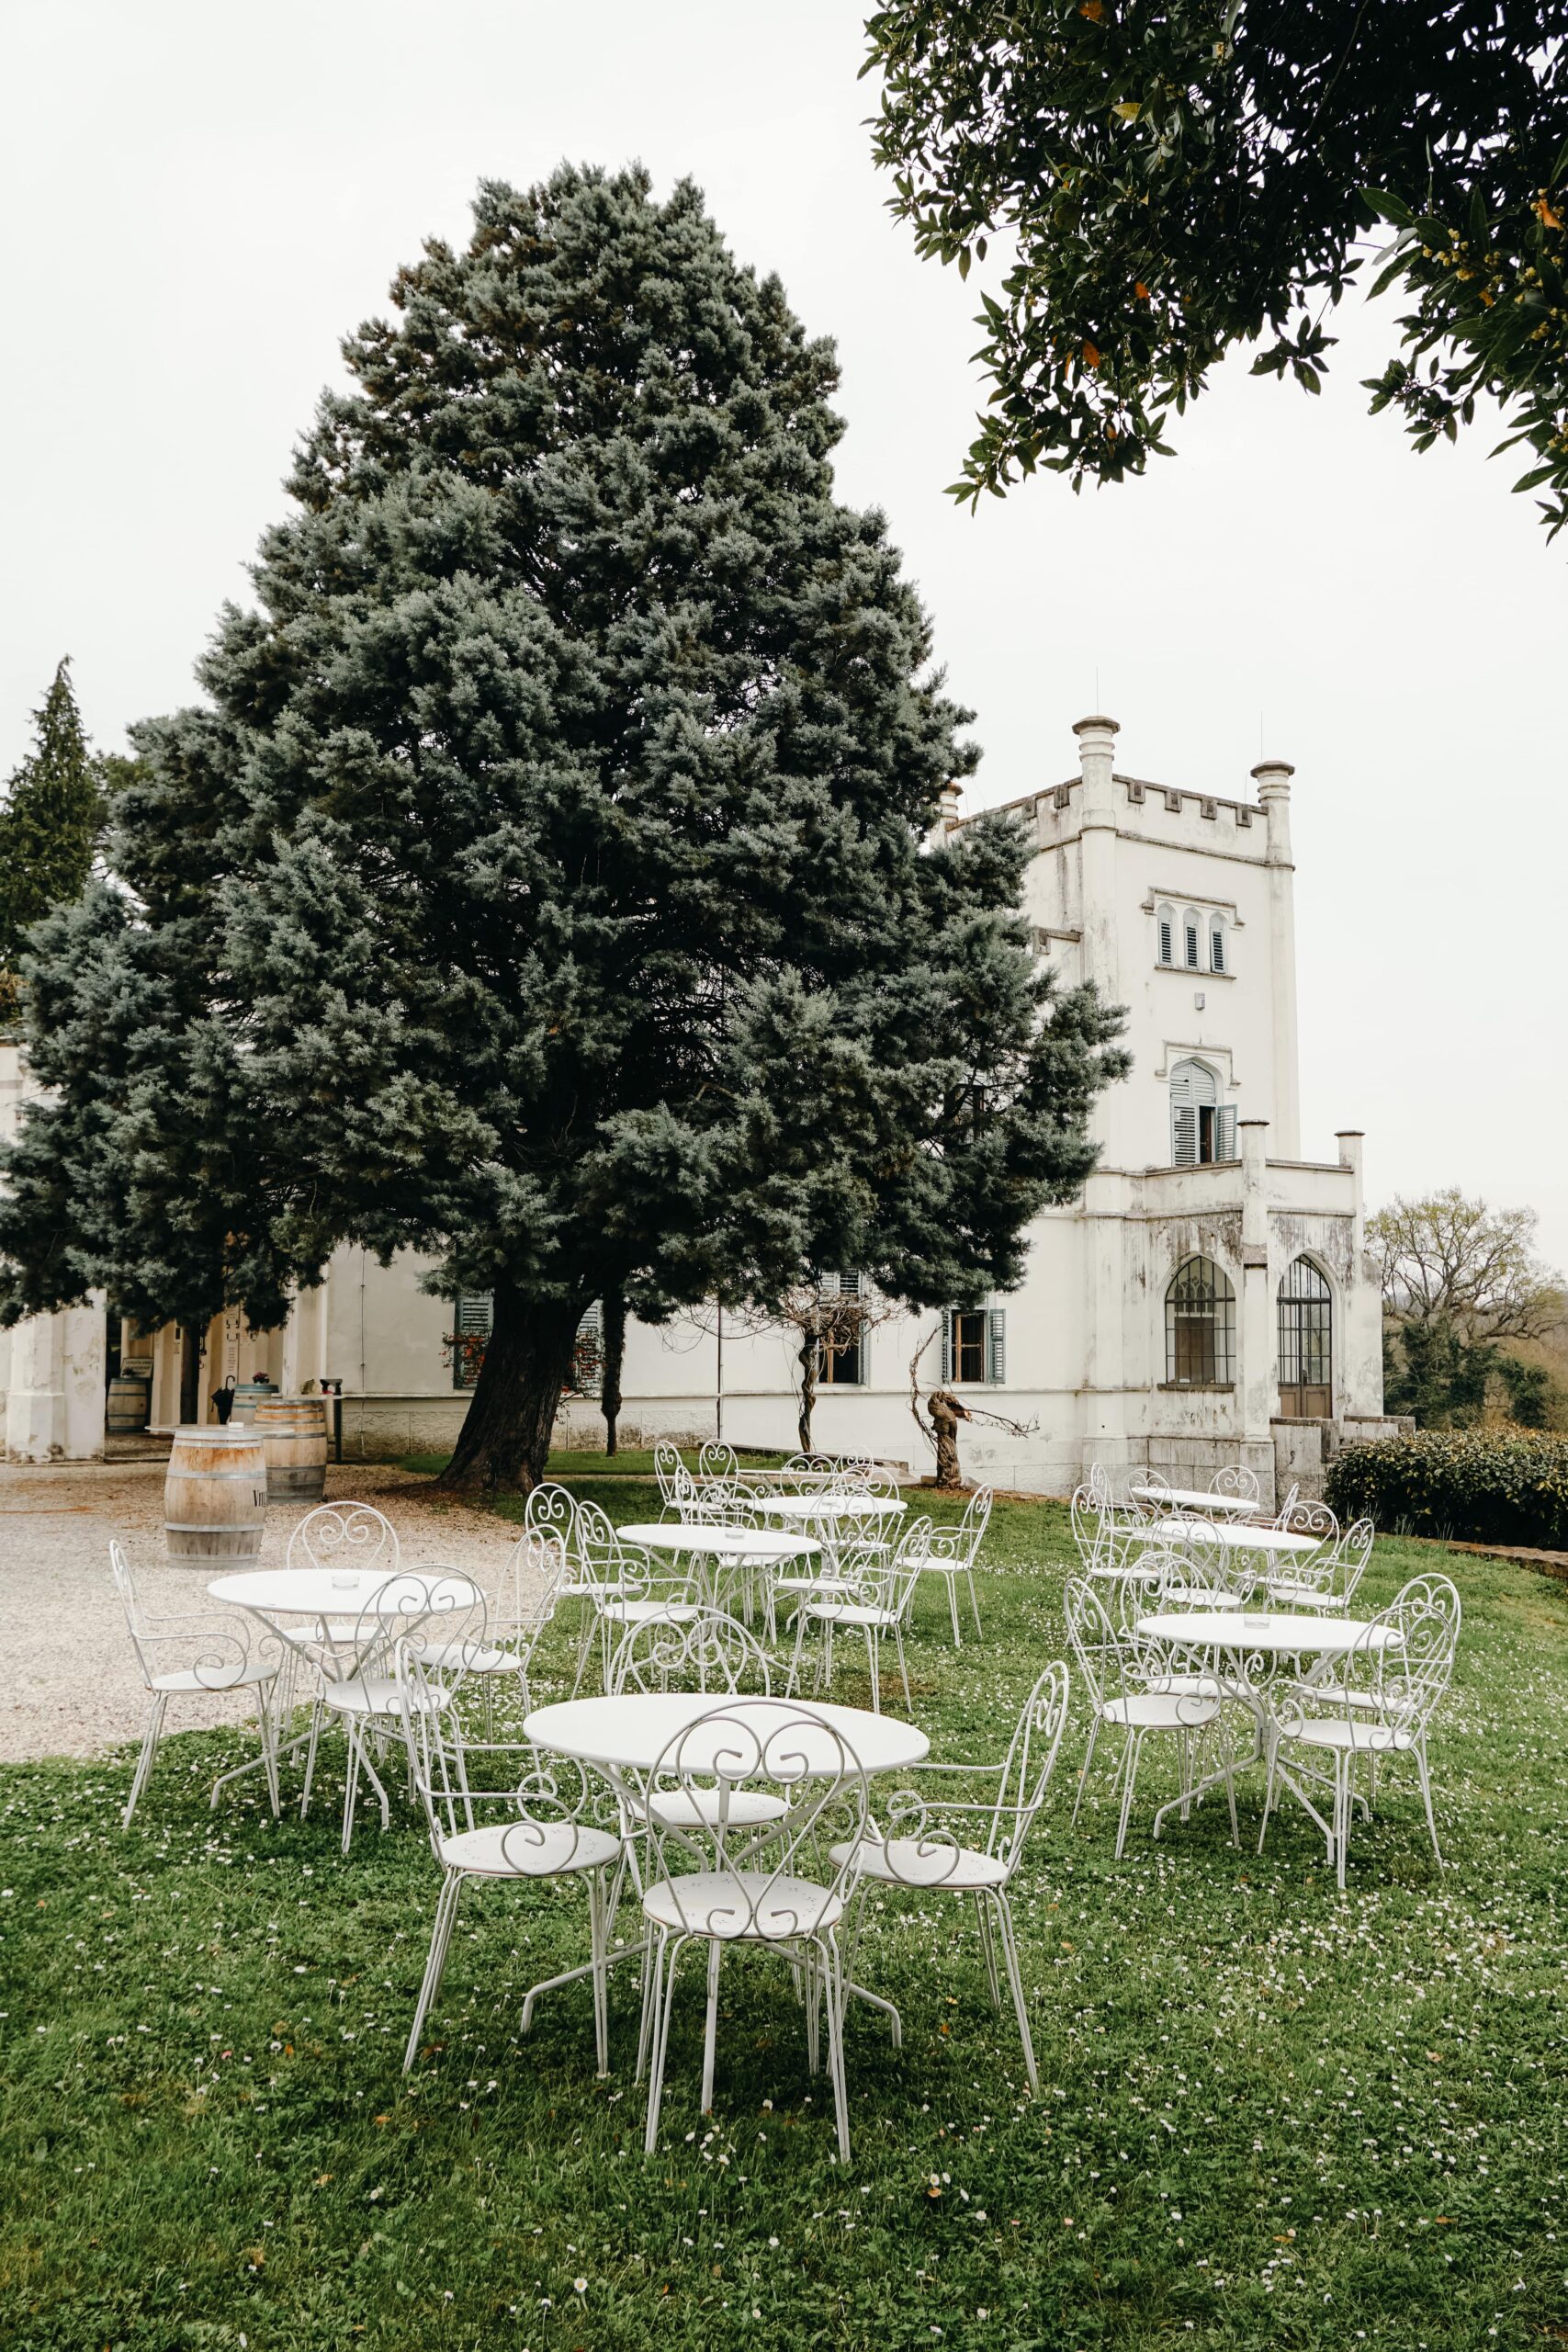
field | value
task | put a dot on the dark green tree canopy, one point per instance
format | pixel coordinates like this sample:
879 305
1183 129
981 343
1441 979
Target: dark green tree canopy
1171 179
50 826
542 886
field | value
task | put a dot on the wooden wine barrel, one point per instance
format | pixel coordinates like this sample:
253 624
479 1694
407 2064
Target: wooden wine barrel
127 1406
248 1396
293 1431
215 1498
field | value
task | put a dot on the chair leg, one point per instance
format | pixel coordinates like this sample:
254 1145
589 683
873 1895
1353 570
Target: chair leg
1130 1769
1015 1983
969 1576
903 1665
1341 1814
1269 1791
988 1947
664 2001
710 2024
598 1936
833 1972
144 1772
874 1666
435 1963
317 1712
952 1582
1089 1759
1426 1799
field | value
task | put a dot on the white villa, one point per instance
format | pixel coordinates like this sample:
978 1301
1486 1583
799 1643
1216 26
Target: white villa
1206 1300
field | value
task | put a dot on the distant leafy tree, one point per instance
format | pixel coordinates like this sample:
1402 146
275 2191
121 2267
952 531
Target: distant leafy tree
1169 180
51 824
1448 1259
545 884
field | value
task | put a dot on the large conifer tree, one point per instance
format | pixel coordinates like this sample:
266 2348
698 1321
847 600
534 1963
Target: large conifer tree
541 885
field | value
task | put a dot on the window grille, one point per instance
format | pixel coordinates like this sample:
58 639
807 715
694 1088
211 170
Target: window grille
1306 1343
1192 946
1217 947
1200 1325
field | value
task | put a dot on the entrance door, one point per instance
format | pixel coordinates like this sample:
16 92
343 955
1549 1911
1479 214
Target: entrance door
1306 1344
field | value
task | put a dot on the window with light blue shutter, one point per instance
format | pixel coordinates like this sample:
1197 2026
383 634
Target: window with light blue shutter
473 1316
1224 1132
946 1347
997 1344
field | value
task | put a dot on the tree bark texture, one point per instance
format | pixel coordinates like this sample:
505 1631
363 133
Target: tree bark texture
613 1335
947 1412
810 1355
505 1438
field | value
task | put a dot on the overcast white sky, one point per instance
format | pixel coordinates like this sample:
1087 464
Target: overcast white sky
197 201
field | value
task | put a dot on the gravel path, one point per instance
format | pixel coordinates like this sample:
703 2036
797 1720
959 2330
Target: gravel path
69 1684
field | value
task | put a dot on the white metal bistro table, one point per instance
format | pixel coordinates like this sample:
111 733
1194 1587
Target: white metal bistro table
625 1736
720 1547
1239 1648
1190 1498
827 1509
1275 1541
302 1606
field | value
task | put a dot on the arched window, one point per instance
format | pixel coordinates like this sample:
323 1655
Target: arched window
1165 922
1190 935
1306 1344
1202 1128
1200 1325
1217 944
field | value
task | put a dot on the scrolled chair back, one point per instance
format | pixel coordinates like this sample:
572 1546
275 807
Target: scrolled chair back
344 1535
551 1509
1030 1762
667 1463
441 1605
1352 1552
1090 1521
717 1460
1305 1516
1411 1672
963 1543
712 1651
523 1595
779 1880
1236 1482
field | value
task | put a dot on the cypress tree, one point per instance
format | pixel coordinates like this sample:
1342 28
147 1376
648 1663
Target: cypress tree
50 827
544 884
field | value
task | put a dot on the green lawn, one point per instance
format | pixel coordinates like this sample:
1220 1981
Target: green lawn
1270 2115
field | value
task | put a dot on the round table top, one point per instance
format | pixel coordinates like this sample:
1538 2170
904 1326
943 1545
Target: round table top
828 1506
1192 1499
1247 1629
631 1732
346 1592
1239 1539
724 1543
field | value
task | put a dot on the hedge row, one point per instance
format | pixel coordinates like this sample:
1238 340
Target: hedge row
1474 1486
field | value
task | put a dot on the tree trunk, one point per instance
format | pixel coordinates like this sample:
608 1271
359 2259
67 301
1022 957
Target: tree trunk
612 1331
947 1412
810 1347
505 1438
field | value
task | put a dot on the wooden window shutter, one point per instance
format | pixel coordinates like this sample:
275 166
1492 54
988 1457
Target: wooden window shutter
1217 947
946 1345
1224 1132
997 1344
1166 945
1192 946
1184 1134
475 1313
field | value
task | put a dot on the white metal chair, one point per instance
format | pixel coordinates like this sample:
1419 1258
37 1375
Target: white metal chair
1325 1581
717 1460
972 1845
1377 1706
953 1552
1302 1516
667 1464
1123 1676
876 1599
771 1885
496 1811
358 1688
626 1586
520 1598
215 1654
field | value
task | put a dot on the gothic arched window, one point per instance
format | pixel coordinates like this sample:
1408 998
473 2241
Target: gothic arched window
1306 1343
1200 1325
